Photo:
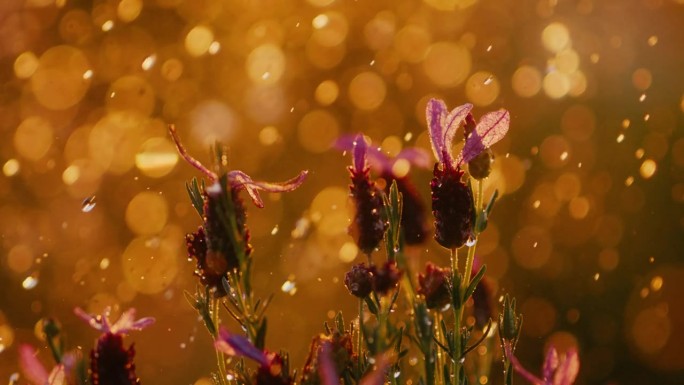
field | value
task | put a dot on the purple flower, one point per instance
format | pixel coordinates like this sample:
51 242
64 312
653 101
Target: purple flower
413 217
556 370
271 369
368 227
111 363
452 200
212 246
386 277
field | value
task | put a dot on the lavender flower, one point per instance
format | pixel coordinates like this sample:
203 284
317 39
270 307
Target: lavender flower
215 246
413 219
271 369
556 371
452 200
368 227
434 286
386 277
111 363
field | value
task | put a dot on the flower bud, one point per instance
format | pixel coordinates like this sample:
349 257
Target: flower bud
359 281
481 166
434 286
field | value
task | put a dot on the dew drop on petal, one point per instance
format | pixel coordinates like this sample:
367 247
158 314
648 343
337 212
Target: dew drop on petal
88 204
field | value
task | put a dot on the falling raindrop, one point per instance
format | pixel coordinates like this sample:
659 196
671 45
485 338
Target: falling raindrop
30 282
88 204
275 230
489 80
289 286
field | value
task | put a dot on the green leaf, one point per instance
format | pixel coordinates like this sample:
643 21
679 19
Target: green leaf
474 282
371 305
196 197
260 340
339 322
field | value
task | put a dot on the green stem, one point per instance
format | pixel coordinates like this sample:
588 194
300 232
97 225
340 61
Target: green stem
458 314
360 336
220 359
471 250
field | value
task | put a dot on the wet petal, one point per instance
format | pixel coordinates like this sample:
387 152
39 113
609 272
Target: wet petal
32 368
326 366
238 178
435 113
568 369
127 323
517 366
360 150
491 128
237 345
452 123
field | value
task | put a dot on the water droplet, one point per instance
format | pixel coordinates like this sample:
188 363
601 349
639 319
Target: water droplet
534 246
104 263
30 282
182 345
88 204
107 25
471 242
413 361
275 230
148 63
642 97
397 374
408 136
214 48
489 48
596 276
289 286
489 80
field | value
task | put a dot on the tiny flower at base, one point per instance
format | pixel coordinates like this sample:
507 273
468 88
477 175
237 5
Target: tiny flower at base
452 199
434 286
386 277
359 280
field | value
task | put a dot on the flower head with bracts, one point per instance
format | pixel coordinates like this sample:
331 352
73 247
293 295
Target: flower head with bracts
111 363
413 219
221 245
452 200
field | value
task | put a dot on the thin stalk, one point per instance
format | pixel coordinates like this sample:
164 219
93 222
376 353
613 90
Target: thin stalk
360 335
220 359
439 365
471 250
458 315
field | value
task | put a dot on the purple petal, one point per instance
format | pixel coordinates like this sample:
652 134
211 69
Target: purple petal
237 345
517 366
568 369
32 368
550 363
435 113
98 323
345 142
491 128
416 156
360 150
127 323
452 123
238 178
326 366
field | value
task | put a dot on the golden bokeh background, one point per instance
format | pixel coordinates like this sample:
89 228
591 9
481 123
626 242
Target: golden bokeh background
588 235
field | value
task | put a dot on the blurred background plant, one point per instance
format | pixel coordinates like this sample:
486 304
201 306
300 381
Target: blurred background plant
587 233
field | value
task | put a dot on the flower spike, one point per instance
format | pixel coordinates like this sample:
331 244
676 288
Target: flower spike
443 127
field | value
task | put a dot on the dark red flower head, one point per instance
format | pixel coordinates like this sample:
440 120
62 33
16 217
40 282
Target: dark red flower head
359 280
452 200
368 227
434 286
339 352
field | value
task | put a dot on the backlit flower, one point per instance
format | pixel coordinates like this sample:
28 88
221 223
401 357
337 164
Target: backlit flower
216 246
556 370
413 219
452 199
434 286
368 226
111 363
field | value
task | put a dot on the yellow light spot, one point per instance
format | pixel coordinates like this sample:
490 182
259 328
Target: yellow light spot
412 43
348 252
556 84
656 283
131 93
129 10
11 167
214 48
330 29
594 58
482 88
71 174
367 91
147 213
532 247
401 168
172 69
326 93
652 40
198 40
107 25
526 81
643 293
269 135
6 336
579 207
157 157
58 82
625 123
447 64
647 117
642 97
648 168
148 63
317 130
536 204
642 79
556 37
25 65
265 64
567 61
620 138
33 137
629 181
150 264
